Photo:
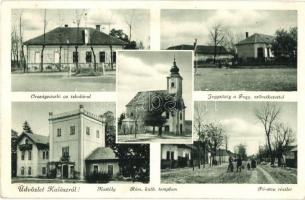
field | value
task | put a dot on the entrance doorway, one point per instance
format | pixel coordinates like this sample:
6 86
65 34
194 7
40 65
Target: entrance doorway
65 171
260 52
110 170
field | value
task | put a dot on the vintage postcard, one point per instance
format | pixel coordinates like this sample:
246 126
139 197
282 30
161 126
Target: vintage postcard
152 99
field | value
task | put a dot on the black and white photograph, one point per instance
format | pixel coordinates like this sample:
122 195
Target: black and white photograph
71 142
73 49
236 50
236 142
154 96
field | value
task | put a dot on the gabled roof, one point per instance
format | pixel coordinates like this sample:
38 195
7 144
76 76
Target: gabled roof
202 49
102 153
37 139
257 38
73 36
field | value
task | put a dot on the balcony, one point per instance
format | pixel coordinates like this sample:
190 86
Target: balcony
24 147
65 158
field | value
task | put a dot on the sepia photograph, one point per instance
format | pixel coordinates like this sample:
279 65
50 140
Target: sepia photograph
236 142
236 50
72 49
154 96
70 142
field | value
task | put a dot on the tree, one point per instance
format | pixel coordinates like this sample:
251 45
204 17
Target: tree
109 128
27 128
154 119
285 43
44 39
231 39
241 149
14 139
119 34
267 114
215 137
217 35
282 139
120 121
78 15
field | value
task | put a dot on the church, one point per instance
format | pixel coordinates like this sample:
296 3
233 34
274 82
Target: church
141 110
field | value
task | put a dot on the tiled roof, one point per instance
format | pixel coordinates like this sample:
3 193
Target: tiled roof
102 153
142 98
38 139
257 38
202 49
74 35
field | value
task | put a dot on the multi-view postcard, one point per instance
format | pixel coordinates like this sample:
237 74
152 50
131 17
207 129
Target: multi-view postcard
184 99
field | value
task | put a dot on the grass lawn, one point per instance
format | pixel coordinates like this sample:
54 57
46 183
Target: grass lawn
255 79
61 82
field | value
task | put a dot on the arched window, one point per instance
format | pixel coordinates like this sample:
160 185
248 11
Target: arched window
172 84
22 171
131 114
26 141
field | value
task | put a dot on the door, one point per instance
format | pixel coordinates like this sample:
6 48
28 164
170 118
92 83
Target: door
181 129
65 171
260 52
110 170
72 171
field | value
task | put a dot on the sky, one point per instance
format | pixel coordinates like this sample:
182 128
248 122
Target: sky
59 17
183 26
240 123
147 70
37 113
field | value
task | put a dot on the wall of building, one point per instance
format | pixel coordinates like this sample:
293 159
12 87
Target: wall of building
51 54
66 140
169 147
246 51
36 162
183 151
103 166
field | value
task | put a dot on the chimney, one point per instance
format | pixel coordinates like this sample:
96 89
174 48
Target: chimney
66 25
50 113
86 36
247 34
98 27
81 108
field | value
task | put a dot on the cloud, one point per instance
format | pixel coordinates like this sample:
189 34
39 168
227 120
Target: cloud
238 127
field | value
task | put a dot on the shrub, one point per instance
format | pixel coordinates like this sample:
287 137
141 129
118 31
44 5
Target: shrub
51 173
98 177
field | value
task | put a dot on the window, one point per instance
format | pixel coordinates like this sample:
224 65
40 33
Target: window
88 57
102 57
22 171
29 171
113 57
88 130
180 115
131 114
58 132
47 154
168 155
172 84
30 155
56 57
72 130
97 134
167 115
26 141
95 169
172 155
65 151
43 155
43 170
187 156
75 57
22 155
37 57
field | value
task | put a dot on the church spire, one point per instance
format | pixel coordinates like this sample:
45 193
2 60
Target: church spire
174 69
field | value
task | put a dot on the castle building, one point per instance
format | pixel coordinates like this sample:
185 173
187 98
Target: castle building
169 102
75 148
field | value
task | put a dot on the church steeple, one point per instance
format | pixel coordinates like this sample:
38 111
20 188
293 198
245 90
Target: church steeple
174 81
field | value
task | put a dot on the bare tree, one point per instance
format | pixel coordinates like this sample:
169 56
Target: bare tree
282 139
217 35
78 15
267 115
44 39
14 46
130 22
231 39
60 22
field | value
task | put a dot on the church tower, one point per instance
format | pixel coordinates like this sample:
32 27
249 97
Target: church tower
174 81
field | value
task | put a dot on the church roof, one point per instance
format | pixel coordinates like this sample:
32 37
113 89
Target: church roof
143 99
102 153
257 38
